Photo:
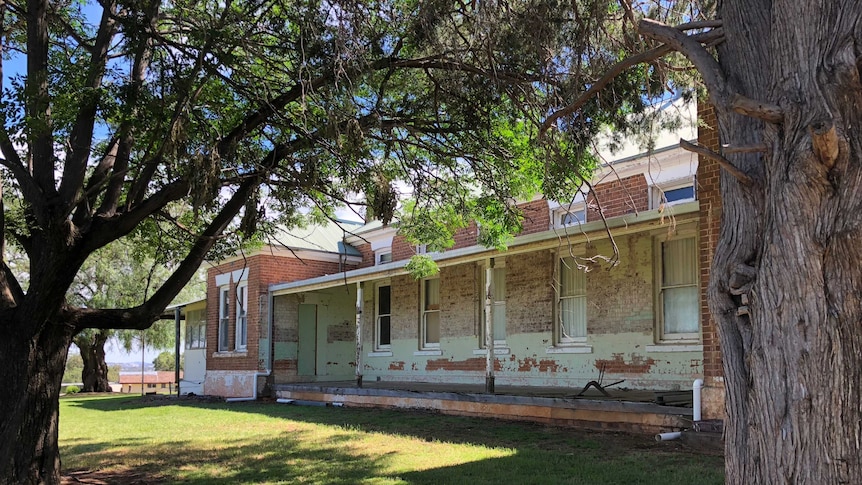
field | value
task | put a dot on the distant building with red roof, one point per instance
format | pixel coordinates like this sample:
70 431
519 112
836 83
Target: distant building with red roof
152 381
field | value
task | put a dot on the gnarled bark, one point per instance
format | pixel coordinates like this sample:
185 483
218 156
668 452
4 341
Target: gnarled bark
794 363
31 370
95 373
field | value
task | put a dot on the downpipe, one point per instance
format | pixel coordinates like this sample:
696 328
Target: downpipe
695 399
696 388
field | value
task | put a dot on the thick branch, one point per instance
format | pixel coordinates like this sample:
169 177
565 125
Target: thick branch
81 138
756 109
38 99
708 67
723 162
618 69
109 229
732 149
126 137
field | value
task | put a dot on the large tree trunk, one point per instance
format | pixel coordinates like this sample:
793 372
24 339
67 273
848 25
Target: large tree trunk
793 245
32 371
95 373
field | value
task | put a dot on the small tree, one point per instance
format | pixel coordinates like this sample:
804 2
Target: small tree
166 361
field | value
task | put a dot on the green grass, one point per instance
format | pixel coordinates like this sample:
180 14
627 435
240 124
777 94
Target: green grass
136 440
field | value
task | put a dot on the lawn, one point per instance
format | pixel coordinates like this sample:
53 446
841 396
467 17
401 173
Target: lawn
135 440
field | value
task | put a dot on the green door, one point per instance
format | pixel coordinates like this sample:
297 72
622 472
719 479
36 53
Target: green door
307 353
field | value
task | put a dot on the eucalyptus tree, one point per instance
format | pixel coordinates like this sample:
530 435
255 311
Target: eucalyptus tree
215 120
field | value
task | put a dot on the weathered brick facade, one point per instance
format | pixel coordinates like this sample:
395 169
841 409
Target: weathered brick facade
622 339
617 197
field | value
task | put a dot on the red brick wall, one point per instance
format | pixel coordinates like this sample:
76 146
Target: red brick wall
367 254
401 249
618 197
710 216
263 270
537 217
466 237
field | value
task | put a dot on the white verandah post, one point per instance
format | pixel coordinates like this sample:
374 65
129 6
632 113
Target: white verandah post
489 326
358 334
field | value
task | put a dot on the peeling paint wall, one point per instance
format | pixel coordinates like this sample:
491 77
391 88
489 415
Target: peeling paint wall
620 327
230 383
335 347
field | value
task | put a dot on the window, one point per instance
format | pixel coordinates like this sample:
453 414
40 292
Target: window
679 294
572 215
164 386
421 249
223 318
430 314
498 300
151 386
383 328
383 256
196 326
672 193
572 303
241 316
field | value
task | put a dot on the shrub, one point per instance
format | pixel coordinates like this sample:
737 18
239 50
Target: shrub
73 389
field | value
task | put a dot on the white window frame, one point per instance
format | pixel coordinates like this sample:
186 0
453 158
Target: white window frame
578 210
421 249
499 264
424 344
662 336
383 256
196 329
224 319
657 192
378 345
241 316
559 338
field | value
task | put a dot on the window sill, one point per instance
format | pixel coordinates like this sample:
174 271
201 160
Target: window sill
428 352
570 349
680 347
380 353
497 351
229 353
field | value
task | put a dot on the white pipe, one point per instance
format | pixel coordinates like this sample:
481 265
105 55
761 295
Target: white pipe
668 436
284 401
696 402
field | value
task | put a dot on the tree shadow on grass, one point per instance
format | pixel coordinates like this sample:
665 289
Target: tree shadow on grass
541 453
277 459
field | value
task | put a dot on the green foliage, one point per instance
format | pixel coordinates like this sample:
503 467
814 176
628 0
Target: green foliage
114 373
422 266
74 367
72 389
165 361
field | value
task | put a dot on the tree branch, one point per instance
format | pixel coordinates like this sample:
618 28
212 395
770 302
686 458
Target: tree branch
720 92
726 164
40 132
81 137
756 109
107 229
125 135
621 67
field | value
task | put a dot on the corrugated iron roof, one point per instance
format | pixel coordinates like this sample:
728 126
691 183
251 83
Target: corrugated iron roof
326 237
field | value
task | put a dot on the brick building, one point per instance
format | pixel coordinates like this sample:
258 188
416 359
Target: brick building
345 308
